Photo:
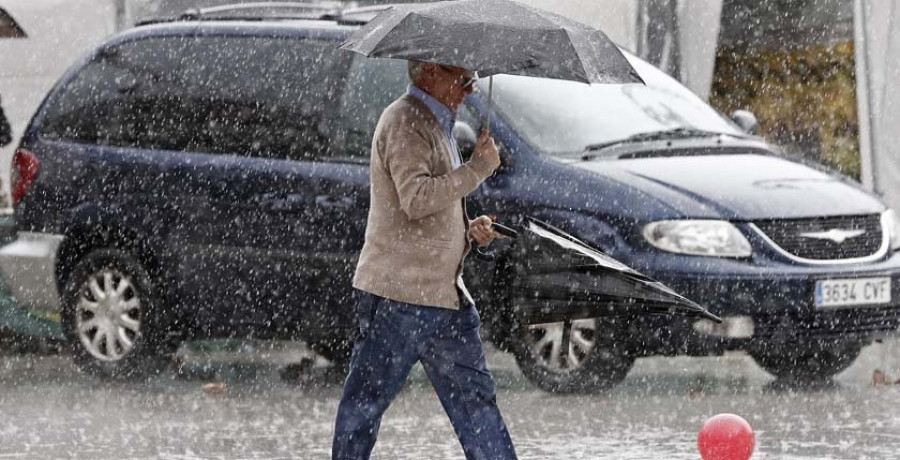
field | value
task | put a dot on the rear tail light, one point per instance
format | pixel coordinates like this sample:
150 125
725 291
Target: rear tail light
25 170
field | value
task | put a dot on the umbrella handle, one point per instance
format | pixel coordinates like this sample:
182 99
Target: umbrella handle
501 229
504 230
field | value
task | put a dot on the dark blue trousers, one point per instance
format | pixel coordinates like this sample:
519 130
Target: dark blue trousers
393 336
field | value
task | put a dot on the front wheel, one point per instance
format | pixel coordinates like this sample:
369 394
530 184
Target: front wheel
808 362
573 356
112 317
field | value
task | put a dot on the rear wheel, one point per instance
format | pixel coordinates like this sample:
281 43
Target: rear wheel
809 362
112 317
574 356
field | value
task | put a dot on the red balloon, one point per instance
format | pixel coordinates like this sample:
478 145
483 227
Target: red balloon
726 437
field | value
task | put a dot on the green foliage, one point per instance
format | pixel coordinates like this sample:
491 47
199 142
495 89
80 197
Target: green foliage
805 98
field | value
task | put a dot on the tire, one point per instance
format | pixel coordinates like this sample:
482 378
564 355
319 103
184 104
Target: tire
811 363
113 318
596 360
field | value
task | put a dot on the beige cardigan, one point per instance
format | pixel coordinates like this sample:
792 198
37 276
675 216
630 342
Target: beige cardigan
416 232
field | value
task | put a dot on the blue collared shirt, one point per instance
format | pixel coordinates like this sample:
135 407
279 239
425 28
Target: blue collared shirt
445 117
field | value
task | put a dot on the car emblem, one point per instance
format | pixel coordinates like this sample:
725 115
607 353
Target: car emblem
835 234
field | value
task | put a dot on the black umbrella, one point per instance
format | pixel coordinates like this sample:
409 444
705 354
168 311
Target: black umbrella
494 36
8 26
555 277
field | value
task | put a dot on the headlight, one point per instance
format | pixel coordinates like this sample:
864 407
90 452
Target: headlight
893 227
698 237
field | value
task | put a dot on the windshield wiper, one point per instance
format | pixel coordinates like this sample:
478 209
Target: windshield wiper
676 133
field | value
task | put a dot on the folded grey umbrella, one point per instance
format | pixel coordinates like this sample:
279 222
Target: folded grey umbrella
494 36
555 277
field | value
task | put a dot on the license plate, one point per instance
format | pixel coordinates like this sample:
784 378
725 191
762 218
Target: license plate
852 291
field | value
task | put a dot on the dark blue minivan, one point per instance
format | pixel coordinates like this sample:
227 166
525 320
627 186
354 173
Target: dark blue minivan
208 177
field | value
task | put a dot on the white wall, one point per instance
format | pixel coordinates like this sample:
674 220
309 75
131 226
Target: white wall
59 33
699 22
878 69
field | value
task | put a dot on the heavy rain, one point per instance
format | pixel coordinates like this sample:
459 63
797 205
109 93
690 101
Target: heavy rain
469 229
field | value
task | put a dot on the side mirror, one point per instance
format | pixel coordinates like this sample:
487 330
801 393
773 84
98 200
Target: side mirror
108 53
466 138
746 120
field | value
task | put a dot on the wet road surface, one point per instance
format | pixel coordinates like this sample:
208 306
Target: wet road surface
49 410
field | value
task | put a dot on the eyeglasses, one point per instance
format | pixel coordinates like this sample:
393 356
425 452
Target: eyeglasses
467 82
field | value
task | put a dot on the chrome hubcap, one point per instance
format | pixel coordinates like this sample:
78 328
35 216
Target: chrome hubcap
562 347
107 315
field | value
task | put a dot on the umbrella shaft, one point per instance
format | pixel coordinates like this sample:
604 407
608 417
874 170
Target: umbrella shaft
490 105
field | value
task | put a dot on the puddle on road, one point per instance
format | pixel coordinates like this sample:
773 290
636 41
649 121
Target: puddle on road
50 410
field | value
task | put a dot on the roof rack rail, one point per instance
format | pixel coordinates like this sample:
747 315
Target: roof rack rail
361 15
349 13
271 10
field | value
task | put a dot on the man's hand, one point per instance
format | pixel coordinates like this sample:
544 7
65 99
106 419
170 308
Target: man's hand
486 151
480 231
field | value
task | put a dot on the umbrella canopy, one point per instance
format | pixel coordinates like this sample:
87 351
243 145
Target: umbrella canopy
8 26
494 36
556 277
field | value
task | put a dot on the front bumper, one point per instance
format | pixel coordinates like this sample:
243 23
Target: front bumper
682 336
28 266
777 299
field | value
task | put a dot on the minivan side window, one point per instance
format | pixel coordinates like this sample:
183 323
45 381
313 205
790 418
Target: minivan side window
249 96
371 86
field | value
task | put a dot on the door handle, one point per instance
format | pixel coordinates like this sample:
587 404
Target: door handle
330 201
281 202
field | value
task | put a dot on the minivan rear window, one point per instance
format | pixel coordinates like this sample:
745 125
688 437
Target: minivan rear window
251 96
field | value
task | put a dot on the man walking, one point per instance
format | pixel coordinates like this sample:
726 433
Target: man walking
413 304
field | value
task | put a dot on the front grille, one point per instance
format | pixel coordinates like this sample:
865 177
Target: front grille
832 238
844 323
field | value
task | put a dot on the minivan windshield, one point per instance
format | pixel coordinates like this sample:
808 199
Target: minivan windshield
564 117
